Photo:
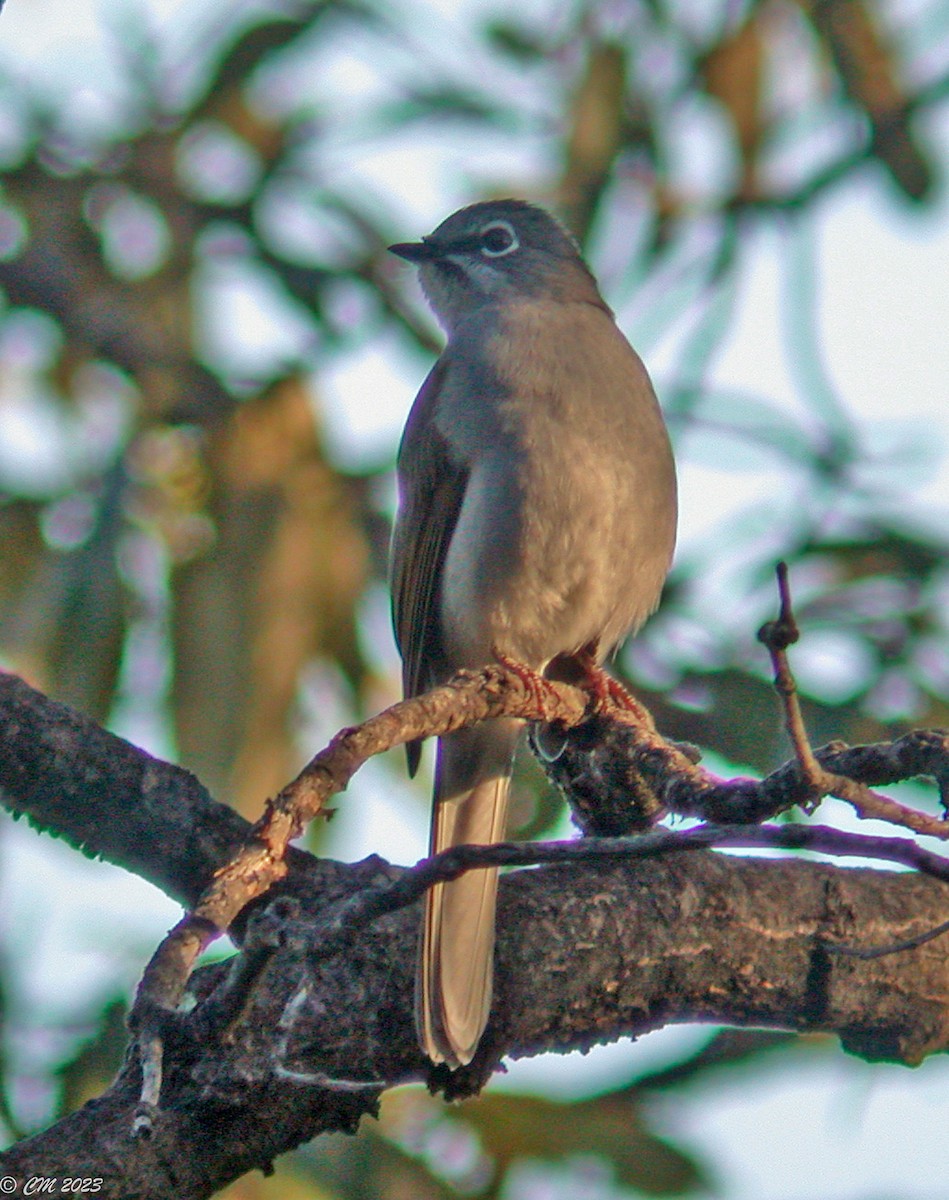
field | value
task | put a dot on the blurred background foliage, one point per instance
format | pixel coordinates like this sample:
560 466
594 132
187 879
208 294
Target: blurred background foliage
187 555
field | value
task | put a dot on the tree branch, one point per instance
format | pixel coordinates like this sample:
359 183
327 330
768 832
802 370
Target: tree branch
110 799
583 956
299 1032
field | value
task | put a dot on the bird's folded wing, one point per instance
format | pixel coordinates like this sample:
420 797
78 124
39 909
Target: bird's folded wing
432 488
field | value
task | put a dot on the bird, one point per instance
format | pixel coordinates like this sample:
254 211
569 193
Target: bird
536 524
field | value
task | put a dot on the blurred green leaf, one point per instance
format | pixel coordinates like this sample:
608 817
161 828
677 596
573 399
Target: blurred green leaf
522 44
92 1067
509 1127
741 417
725 1049
513 1127
881 548
445 101
369 1164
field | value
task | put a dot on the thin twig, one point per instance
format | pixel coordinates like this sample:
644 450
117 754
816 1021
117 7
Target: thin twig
334 932
265 936
868 804
894 948
777 636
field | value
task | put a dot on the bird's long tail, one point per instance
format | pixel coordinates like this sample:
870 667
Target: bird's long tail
454 986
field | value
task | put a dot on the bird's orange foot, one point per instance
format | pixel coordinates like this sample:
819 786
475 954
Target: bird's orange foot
533 681
608 692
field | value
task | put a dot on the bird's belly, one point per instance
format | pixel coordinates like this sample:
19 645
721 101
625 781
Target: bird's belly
548 559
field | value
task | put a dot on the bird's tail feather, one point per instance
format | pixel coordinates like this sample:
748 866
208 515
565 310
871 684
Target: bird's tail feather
453 995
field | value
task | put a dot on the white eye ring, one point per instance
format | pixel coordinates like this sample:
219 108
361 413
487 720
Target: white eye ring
504 227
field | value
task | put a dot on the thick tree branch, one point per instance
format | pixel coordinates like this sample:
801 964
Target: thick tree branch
584 955
313 1018
108 798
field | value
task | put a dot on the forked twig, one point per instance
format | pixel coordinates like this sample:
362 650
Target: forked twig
868 804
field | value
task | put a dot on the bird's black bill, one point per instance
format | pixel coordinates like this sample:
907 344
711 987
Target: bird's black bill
415 252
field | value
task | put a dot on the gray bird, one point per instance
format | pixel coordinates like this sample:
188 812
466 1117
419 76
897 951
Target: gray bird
537 517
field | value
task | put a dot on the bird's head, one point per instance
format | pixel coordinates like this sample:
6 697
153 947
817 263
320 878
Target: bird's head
497 252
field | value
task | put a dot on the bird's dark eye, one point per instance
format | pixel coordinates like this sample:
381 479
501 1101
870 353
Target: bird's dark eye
498 239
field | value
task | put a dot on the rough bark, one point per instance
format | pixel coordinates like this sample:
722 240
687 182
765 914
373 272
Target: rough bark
285 1042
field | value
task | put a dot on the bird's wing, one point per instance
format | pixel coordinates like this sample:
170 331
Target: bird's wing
431 490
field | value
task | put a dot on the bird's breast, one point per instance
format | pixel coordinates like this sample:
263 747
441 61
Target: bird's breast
568 521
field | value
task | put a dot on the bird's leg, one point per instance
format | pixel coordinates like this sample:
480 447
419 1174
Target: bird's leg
606 691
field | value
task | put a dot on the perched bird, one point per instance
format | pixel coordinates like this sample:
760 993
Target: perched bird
536 523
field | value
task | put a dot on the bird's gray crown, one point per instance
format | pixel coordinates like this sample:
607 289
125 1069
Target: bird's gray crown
535 230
